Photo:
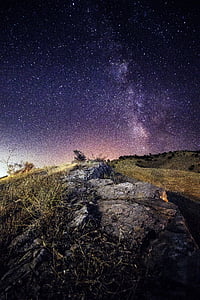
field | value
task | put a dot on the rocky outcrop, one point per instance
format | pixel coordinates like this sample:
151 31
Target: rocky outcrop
109 239
87 171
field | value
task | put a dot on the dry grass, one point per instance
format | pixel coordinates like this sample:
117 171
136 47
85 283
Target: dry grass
185 182
178 160
39 171
60 168
86 262
29 198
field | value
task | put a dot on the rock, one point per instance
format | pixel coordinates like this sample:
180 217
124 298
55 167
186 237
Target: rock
140 190
87 172
107 240
132 221
115 191
79 217
23 264
97 183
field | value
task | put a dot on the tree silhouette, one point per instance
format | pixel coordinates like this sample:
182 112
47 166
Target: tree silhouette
79 156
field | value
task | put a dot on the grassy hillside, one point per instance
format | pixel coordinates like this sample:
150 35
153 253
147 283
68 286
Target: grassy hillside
26 198
175 171
54 243
178 160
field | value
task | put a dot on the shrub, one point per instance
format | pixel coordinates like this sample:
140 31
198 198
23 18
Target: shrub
79 156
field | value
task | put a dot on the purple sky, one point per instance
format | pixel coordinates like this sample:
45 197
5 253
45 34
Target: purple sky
107 77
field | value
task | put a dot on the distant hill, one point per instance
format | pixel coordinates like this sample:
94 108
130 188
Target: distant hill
175 171
177 160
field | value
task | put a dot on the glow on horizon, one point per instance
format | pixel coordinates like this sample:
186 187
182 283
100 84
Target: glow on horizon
59 155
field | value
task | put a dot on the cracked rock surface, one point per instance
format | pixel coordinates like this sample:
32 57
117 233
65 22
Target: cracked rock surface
109 239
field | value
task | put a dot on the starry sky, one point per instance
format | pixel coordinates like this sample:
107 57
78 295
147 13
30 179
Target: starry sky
107 77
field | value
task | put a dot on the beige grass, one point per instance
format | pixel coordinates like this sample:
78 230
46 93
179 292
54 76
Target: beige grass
61 168
39 171
31 197
187 183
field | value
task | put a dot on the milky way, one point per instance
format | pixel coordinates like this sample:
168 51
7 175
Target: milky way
107 77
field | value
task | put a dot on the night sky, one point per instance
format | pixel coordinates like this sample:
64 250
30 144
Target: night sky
107 77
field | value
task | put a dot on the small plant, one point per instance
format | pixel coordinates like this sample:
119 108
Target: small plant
20 168
79 156
13 168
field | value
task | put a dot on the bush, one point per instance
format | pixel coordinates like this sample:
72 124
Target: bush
79 156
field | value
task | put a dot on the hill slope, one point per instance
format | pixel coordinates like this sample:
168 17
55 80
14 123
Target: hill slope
166 170
90 233
177 160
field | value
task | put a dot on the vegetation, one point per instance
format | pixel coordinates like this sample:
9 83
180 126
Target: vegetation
79 156
87 259
177 171
17 168
178 160
82 262
29 198
24 201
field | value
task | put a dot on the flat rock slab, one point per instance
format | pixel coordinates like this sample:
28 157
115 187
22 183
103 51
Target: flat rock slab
106 189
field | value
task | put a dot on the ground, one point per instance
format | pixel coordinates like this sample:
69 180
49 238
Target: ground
87 232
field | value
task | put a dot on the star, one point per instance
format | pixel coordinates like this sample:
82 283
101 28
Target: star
99 76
